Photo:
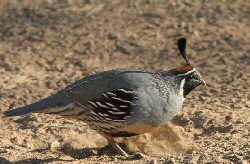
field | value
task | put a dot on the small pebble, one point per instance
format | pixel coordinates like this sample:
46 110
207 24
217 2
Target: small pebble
54 145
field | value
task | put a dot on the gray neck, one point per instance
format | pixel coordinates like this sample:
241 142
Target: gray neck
178 82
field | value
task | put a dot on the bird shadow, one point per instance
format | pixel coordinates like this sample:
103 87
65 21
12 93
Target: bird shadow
26 122
103 151
32 161
74 153
87 152
77 153
3 160
39 161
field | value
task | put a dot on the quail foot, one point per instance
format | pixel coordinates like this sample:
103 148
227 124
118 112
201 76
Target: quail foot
122 103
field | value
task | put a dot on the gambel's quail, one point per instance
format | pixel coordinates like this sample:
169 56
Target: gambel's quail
122 103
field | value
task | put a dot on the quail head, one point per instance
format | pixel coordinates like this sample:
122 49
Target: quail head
122 103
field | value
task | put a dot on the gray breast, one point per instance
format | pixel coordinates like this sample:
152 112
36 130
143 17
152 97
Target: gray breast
157 102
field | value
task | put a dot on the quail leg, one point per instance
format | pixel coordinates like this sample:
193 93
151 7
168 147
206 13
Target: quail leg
115 146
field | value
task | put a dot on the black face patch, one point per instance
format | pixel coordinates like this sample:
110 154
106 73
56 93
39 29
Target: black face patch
191 82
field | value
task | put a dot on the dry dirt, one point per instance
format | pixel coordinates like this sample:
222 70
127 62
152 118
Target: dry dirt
46 45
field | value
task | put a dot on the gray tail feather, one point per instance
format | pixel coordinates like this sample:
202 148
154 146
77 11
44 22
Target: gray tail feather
58 99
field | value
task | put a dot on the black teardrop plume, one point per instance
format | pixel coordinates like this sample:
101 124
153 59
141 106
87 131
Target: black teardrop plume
181 43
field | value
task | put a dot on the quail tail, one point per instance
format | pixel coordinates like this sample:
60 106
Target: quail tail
48 105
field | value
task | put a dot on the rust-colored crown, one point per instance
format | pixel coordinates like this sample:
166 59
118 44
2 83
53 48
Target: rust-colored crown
182 70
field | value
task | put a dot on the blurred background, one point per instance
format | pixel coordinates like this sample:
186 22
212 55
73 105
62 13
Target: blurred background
46 45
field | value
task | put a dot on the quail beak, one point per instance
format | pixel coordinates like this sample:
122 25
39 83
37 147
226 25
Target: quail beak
203 82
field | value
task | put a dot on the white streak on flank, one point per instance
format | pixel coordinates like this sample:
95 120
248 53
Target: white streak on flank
108 119
92 103
133 92
110 93
116 112
184 74
103 119
127 116
94 113
92 118
123 90
115 109
103 114
123 106
110 104
97 116
121 100
105 95
101 105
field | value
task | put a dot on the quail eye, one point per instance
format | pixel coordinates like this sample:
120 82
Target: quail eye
191 77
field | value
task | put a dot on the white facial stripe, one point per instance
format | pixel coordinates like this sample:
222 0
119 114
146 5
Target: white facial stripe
182 88
184 74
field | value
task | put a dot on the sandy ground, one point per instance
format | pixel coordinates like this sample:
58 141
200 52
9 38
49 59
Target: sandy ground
47 45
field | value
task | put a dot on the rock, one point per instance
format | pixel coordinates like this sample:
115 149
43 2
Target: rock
54 145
